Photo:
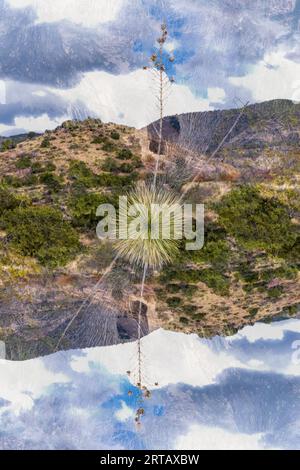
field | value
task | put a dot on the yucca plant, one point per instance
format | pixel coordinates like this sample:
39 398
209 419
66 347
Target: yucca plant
143 248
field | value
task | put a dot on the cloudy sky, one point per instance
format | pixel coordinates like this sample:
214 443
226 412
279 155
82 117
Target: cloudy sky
241 392
79 58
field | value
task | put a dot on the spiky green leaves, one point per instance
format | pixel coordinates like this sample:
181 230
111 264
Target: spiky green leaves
151 225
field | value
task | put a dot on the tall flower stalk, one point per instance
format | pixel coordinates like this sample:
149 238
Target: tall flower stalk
159 61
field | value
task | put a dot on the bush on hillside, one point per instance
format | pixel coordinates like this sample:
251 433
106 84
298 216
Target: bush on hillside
41 232
8 201
45 143
23 162
52 182
83 209
82 174
115 135
124 154
257 222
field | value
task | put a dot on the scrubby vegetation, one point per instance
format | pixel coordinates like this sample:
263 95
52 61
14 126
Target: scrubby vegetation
23 162
7 144
42 233
8 201
257 222
246 271
83 209
53 182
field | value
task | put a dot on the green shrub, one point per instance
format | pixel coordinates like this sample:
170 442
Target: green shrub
275 292
110 165
8 201
99 139
253 311
83 209
8 144
187 290
42 233
283 272
29 180
256 222
116 181
248 276
190 309
36 167
23 162
291 310
45 143
108 147
80 172
216 253
50 166
173 288
52 182
126 168
137 162
215 280
115 135
31 135
174 302
78 188
124 154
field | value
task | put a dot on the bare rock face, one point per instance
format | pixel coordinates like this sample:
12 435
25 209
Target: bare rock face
41 317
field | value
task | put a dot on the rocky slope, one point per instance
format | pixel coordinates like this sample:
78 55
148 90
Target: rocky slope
270 124
50 258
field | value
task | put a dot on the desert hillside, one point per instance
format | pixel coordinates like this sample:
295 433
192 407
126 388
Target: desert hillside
50 258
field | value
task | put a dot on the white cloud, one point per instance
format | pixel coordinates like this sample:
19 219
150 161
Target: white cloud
216 95
124 413
275 331
209 438
22 382
36 124
171 45
88 12
275 76
129 99
176 357
2 92
40 93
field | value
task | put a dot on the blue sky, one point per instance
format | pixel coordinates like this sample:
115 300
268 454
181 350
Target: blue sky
84 57
240 392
